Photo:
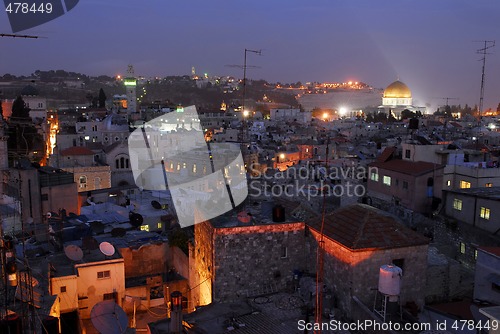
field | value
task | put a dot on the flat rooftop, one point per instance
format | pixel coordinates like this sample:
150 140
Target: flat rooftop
486 192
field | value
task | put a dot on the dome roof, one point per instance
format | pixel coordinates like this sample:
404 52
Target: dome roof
397 89
29 91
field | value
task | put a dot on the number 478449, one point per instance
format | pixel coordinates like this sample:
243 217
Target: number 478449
25 8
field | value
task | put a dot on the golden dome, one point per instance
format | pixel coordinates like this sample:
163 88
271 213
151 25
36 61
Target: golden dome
397 89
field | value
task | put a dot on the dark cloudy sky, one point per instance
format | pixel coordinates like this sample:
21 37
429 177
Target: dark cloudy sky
428 44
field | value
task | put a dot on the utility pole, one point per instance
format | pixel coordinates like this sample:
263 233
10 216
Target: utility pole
321 252
483 52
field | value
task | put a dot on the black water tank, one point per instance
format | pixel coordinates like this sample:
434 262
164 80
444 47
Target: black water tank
278 214
413 124
50 325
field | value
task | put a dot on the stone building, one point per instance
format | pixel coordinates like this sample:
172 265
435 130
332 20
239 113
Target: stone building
245 255
358 240
415 185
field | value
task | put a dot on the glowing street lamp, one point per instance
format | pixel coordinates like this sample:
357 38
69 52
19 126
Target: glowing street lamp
245 113
342 111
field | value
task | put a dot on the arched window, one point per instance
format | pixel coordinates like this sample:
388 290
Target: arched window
122 162
117 163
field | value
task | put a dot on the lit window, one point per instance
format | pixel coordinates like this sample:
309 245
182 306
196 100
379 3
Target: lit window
160 225
172 166
103 274
448 183
374 176
184 165
464 184
457 204
488 185
485 213
194 168
462 248
178 166
145 228
387 180
83 181
63 289
475 254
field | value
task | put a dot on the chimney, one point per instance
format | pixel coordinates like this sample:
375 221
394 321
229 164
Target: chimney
176 312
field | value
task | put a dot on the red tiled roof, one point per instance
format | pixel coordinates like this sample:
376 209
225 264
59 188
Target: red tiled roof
77 150
414 168
361 226
386 154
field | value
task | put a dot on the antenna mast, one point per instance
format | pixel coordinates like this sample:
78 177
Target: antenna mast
483 52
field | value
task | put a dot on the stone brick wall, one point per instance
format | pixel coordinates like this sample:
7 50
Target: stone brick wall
348 273
250 258
201 264
443 277
149 259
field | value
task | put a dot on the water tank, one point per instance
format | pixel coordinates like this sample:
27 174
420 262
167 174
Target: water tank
389 281
278 214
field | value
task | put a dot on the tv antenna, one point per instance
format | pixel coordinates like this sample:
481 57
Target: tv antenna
483 51
448 99
20 36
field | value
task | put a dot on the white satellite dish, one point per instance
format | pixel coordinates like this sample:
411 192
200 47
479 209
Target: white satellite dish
107 248
73 252
109 318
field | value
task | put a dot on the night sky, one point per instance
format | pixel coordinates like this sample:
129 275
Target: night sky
430 45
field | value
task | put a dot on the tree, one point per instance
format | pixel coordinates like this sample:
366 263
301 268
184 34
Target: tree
19 110
407 114
23 136
102 98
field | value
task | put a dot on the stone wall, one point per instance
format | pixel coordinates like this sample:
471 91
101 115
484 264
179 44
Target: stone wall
443 277
250 259
201 264
149 259
355 273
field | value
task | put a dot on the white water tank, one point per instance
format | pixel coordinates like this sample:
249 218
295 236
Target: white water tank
389 281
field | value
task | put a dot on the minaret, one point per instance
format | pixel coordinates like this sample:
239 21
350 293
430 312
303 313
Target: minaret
130 84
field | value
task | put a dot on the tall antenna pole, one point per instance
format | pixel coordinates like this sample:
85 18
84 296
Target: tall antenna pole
321 253
483 52
244 112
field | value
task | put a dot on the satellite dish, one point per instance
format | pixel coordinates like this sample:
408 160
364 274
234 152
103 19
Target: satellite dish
156 205
118 232
107 249
135 219
109 318
73 252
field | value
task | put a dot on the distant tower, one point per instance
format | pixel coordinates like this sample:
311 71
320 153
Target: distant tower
193 71
130 84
